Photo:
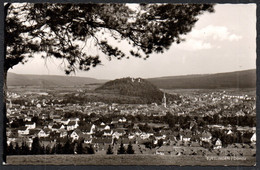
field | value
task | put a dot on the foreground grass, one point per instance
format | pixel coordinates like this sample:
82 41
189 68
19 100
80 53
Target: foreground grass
127 160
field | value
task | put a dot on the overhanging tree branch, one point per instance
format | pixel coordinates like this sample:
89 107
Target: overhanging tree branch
151 29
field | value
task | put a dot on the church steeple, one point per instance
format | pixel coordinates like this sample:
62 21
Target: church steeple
10 104
164 100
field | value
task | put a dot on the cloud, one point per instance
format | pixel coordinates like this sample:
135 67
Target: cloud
219 33
193 44
234 37
208 37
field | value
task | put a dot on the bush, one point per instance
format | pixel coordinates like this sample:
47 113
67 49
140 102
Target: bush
68 148
90 150
36 148
130 149
109 150
121 149
79 148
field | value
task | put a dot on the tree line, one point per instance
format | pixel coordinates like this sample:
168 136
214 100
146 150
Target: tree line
36 148
69 147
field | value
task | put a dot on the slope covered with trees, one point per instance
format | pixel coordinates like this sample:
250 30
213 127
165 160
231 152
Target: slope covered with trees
144 90
238 79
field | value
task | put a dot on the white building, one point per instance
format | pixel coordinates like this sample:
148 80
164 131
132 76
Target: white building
75 135
43 134
253 138
218 144
31 125
23 131
72 126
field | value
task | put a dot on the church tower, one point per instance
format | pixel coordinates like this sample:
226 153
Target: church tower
10 104
164 100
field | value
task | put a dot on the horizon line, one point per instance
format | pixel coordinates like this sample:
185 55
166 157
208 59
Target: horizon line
71 75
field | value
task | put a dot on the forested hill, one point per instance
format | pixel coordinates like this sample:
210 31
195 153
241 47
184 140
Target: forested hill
140 88
49 80
238 79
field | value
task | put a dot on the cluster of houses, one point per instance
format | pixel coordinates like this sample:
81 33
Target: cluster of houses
100 134
202 104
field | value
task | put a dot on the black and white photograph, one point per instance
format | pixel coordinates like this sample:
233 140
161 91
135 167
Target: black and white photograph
129 84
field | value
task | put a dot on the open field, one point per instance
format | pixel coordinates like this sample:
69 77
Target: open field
129 160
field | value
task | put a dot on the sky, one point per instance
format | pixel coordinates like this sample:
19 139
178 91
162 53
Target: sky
222 41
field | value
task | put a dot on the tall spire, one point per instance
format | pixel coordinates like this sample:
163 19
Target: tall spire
164 100
10 104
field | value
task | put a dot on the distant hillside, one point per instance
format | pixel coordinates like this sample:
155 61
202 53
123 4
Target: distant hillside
238 79
49 80
140 88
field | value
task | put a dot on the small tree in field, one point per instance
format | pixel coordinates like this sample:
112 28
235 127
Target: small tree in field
109 150
25 149
130 149
121 149
79 147
58 148
47 150
90 150
10 149
17 149
160 142
36 147
53 150
68 148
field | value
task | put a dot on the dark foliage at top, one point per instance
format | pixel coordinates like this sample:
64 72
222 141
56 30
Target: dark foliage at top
57 30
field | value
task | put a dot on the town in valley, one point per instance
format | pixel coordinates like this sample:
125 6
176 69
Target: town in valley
67 120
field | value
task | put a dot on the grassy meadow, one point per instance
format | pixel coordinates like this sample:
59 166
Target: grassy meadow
128 160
